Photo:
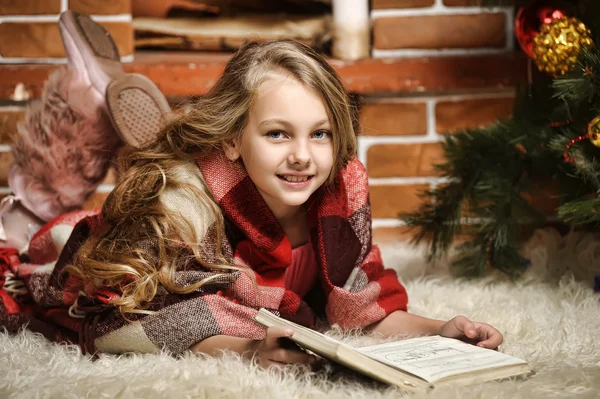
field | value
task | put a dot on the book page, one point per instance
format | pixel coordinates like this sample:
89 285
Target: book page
433 358
343 354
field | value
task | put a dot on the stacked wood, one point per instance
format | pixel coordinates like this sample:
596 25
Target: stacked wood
228 33
226 8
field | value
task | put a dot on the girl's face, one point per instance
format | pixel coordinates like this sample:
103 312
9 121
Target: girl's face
286 145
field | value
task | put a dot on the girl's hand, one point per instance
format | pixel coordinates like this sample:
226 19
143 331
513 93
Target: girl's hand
274 350
480 334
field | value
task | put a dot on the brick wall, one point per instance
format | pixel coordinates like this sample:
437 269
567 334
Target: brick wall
419 87
402 132
29 28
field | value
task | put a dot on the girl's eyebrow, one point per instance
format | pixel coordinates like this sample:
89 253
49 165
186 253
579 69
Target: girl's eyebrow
288 124
322 122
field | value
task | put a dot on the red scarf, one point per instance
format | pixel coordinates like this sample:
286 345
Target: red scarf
353 289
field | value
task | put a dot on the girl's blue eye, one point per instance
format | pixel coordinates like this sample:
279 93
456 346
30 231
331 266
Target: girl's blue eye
322 134
275 134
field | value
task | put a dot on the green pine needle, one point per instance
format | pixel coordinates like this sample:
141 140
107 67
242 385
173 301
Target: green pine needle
583 212
491 174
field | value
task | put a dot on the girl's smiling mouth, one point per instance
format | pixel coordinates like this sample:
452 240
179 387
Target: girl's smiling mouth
295 178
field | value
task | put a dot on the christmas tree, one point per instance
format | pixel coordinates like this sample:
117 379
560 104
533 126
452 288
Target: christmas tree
551 141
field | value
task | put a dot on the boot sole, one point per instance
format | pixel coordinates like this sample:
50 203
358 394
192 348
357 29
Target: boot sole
137 108
138 113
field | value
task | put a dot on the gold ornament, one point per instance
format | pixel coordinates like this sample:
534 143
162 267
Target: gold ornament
559 43
594 131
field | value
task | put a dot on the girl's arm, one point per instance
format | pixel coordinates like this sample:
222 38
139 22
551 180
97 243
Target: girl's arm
400 322
273 350
213 345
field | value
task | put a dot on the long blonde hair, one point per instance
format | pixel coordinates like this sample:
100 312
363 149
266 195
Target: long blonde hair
145 240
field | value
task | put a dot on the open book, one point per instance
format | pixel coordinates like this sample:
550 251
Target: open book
414 364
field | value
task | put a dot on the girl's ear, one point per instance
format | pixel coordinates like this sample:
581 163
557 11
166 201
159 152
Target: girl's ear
231 150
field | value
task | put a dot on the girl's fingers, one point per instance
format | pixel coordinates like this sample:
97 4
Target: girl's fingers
491 338
281 351
465 326
480 334
275 333
292 356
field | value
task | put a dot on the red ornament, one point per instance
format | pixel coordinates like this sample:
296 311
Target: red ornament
561 123
530 19
568 158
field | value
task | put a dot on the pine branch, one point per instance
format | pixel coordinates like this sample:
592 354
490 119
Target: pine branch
582 84
438 220
585 167
581 212
495 244
471 260
508 259
485 172
491 172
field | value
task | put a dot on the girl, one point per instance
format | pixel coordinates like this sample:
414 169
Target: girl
253 199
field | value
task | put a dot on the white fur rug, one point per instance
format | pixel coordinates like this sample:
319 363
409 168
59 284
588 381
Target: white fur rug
551 318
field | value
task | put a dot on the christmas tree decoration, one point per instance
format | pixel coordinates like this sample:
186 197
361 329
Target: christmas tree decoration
568 158
594 131
529 21
559 43
494 175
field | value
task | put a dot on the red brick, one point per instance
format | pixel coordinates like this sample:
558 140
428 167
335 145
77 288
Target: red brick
30 39
452 115
95 201
193 74
384 4
440 31
403 160
545 197
111 176
104 7
463 3
8 124
391 235
6 159
42 39
122 34
390 201
29 7
394 118
393 75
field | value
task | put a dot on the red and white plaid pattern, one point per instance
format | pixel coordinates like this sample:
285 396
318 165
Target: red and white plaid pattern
353 289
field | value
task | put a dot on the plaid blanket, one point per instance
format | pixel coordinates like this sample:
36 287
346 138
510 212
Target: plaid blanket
353 288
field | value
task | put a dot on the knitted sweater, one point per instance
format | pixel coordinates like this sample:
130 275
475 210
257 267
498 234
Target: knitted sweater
352 287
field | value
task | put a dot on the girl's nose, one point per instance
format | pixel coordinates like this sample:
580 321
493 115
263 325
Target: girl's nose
300 153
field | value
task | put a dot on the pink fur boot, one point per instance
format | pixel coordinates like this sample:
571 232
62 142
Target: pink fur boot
62 153
63 150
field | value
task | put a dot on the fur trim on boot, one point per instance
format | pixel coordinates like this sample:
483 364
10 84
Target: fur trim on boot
64 148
